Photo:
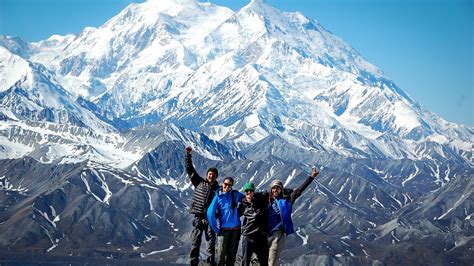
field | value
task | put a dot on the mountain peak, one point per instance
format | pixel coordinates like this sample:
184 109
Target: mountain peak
169 59
260 7
167 3
171 7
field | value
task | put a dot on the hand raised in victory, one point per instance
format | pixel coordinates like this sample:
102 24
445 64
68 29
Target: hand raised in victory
189 150
314 173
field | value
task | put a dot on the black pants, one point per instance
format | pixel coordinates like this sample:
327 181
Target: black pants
227 246
257 244
200 226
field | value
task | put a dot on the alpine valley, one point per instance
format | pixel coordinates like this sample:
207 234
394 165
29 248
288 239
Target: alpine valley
93 129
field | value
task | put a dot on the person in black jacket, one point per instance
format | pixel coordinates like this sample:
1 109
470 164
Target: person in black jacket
204 191
254 209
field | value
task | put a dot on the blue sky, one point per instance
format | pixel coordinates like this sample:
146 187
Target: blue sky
424 46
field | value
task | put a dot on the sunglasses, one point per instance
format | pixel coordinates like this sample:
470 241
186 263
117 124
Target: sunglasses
227 184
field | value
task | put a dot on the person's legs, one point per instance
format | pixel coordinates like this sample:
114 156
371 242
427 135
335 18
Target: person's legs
261 250
233 246
247 250
222 246
211 243
275 243
196 235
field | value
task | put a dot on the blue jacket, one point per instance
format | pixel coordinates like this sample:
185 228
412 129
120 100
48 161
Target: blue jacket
279 211
280 217
221 209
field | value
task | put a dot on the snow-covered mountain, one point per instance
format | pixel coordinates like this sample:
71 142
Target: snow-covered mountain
242 76
42 120
259 93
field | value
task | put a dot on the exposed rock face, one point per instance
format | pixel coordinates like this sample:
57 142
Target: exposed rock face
89 209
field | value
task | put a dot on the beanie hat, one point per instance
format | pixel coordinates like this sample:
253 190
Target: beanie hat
214 170
277 183
248 186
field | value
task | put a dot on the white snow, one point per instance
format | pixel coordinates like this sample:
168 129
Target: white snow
396 200
103 148
125 181
372 224
405 116
290 177
11 149
374 198
12 68
149 238
143 255
53 212
149 201
438 138
456 204
303 236
103 185
86 183
6 185
344 185
366 254
394 237
350 122
417 171
172 202
172 226
253 176
51 248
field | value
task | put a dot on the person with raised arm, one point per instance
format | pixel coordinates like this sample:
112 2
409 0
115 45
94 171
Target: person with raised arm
204 191
279 215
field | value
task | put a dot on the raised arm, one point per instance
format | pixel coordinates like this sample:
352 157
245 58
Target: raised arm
192 174
297 192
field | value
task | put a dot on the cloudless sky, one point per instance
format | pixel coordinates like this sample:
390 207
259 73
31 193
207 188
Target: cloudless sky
424 46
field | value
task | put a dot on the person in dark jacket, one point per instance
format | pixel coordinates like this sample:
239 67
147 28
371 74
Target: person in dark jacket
279 215
254 209
224 209
204 191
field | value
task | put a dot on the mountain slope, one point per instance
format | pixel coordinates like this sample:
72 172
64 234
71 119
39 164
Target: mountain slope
88 210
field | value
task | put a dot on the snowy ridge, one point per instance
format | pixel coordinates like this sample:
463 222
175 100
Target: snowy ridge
12 68
243 76
49 142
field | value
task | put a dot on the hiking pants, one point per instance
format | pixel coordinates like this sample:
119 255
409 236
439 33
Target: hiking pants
275 244
200 226
257 244
227 246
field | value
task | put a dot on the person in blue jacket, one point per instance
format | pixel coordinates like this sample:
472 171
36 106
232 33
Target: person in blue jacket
224 219
279 215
